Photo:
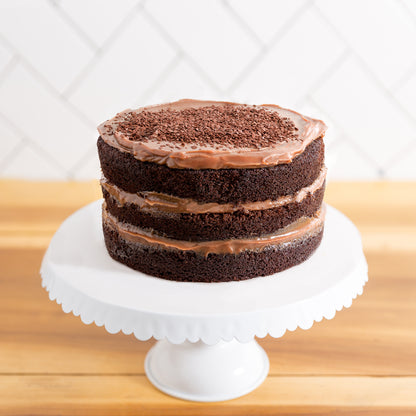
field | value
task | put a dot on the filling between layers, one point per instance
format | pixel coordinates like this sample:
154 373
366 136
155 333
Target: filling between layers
303 228
158 202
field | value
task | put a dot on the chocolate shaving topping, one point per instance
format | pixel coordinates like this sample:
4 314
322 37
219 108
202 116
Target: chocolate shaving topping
216 126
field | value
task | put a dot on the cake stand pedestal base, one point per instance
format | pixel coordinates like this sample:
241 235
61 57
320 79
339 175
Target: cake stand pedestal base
207 373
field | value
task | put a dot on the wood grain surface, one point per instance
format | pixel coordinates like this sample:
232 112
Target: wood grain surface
362 362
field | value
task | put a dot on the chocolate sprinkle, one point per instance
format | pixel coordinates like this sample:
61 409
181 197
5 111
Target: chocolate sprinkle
216 126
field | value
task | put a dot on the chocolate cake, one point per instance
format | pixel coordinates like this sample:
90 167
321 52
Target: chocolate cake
209 191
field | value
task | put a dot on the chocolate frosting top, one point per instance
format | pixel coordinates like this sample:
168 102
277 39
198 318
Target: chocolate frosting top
211 134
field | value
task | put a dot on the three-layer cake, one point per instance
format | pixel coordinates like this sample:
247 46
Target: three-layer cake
212 191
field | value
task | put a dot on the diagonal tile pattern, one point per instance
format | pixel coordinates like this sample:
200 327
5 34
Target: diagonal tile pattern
296 72
35 31
6 57
121 75
264 18
67 65
375 117
95 20
388 39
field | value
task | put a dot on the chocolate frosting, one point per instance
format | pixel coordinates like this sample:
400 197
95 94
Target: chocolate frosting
205 156
306 226
157 202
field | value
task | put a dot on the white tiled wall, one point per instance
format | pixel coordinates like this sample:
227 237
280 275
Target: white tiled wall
67 65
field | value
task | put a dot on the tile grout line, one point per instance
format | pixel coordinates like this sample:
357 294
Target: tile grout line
12 154
179 50
242 23
79 78
40 78
57 8
394 160
92 151
407 76
266 48
329 71
370 74
9 67
346 139
46 84
28 142
175 61
407 10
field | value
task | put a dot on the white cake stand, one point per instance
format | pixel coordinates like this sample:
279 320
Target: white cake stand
207 350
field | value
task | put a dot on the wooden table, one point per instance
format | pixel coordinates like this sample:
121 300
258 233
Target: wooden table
361 362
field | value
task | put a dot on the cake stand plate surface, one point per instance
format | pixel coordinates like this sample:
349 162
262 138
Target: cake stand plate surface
207 350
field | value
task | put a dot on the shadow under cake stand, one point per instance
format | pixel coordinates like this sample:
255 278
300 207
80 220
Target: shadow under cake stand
206 349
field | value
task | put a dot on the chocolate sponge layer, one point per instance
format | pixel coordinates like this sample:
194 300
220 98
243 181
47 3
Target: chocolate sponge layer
210 185
216 226
192 267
